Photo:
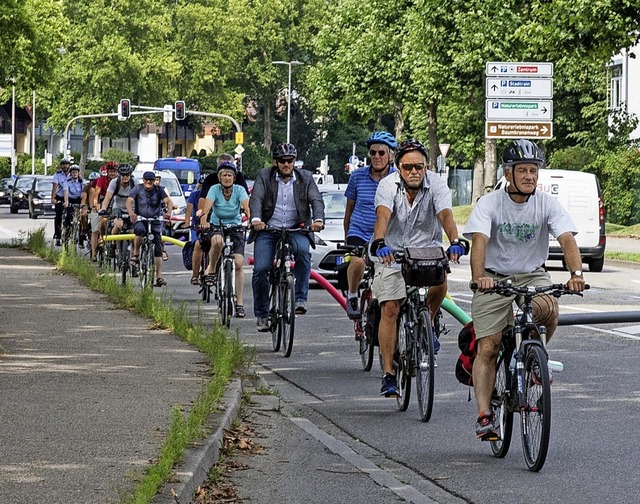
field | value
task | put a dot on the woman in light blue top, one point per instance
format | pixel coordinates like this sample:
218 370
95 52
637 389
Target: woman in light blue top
225 201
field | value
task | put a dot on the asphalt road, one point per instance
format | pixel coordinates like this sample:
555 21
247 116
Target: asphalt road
596 404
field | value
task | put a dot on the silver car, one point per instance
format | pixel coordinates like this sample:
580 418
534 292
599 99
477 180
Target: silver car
325 255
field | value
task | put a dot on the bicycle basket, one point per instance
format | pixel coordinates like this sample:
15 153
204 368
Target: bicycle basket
423 267
187 255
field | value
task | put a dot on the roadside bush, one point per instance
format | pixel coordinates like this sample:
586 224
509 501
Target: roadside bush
571 158
621 185
119 156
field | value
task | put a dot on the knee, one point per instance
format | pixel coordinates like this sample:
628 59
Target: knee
390 309
488 348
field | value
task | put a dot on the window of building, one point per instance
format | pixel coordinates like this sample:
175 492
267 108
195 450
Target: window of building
615 87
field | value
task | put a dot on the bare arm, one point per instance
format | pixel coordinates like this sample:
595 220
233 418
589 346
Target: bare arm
348 210
246 209
129 205
207 204
106 201
574 261
478 254
187 215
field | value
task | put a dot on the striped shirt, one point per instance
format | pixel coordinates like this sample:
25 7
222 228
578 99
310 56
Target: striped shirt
362 189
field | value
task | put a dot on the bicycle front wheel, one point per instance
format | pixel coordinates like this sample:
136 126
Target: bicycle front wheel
288 321
226 298
276 333
500 405
535 419
401 363
366 331
144 266
424 366
124 261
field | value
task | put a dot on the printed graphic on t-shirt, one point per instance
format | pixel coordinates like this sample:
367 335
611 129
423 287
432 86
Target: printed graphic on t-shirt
521 232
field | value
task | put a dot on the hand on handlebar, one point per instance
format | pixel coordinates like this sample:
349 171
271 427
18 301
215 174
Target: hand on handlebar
317 226
482 284
258 225
576 284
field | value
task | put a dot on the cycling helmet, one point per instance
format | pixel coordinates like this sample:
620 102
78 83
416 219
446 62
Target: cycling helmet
74 167
158 174
94 176
125 169
201 179
228 165
411 144
522 151
284 150
103 170
65 161
382 137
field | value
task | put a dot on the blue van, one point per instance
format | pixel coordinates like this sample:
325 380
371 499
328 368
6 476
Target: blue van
187 170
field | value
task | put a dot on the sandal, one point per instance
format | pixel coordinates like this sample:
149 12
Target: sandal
240 311
195 281
165 256
160 282
210 279
134 261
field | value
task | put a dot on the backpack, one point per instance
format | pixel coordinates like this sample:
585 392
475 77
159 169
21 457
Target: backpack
467 345
117 191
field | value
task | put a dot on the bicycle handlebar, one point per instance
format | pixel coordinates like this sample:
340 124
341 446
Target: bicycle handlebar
508 289
286 230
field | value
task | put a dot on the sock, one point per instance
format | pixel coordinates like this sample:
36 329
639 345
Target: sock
352 295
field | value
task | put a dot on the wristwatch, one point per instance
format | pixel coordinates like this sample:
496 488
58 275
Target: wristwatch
577 273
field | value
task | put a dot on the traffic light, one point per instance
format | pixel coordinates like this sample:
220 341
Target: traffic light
181 111
124 110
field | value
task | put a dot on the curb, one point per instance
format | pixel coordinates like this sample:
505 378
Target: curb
196 462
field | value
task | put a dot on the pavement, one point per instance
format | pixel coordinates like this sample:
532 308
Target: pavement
88 391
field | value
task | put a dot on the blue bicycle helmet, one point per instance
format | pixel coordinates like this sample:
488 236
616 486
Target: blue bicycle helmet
411 144
228 165
382 137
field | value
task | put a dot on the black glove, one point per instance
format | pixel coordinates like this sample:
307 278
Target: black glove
102 213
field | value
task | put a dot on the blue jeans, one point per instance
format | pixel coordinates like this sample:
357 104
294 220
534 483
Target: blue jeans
264 249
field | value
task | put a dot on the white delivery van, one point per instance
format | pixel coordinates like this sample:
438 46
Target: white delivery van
580 194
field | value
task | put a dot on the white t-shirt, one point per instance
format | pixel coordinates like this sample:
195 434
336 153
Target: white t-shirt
518 232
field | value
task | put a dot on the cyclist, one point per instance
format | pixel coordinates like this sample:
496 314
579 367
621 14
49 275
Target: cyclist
510 231
108 172
146 200
360 212
57 197
157 182
226 199
212 179
86 204
115 200
413 206
191 219
283 197
72 194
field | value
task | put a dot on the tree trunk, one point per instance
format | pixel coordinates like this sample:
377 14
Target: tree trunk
478 179
490 165
398 120
171 138
266 113
433 135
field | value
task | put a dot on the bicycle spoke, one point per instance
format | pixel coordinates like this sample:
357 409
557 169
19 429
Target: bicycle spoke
502 412
424 362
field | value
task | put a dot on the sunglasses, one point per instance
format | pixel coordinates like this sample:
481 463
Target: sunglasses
408 167
378 152
286 160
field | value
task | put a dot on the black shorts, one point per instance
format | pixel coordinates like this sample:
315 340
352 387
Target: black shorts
237 239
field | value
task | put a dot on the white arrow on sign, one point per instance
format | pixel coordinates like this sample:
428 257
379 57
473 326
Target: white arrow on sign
514 87
527 110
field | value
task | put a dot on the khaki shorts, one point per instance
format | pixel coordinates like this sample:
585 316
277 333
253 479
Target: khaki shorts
388 284
94 219
492 313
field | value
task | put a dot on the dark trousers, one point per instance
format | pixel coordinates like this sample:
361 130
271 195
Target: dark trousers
57 223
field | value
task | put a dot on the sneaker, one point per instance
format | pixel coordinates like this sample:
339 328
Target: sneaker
58 244
134 272
263 324
353 308
535 375
389 386
301 309
436 343
485 428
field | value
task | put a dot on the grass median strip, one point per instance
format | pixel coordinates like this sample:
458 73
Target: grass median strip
225 352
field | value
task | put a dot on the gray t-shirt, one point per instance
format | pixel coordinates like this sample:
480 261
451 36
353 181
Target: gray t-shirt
414 225
119 200
518 232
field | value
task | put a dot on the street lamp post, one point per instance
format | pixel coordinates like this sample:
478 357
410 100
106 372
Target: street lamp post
289 64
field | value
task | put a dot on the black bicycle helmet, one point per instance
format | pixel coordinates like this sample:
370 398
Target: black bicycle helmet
125 169
284 150
408 145
522 151
382 137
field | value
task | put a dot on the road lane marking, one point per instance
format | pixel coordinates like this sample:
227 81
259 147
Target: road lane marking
609 331
381 477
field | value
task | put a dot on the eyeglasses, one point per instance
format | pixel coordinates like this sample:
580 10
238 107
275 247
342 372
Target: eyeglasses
378 152
408 167
286 160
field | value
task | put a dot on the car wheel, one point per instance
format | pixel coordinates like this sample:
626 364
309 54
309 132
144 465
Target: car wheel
596 265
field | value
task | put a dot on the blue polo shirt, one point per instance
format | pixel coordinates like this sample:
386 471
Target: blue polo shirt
362 189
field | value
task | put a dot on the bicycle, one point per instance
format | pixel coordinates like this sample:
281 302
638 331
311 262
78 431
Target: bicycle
147 265
522 377
282 291
415 357
365 328
204 288
71 230
120 250
225 290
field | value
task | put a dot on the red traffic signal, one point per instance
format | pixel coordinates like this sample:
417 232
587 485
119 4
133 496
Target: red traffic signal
124 110
181 111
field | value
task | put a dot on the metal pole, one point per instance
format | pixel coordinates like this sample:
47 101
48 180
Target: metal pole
33 135
289 105
13 131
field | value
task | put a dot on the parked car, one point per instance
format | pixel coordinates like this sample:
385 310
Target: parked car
18 197
5 187
40 197
323 257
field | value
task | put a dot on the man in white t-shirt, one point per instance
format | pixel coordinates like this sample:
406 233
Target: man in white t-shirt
510 229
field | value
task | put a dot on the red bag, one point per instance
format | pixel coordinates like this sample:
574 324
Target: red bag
467 345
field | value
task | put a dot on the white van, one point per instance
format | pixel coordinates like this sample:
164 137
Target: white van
580 194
